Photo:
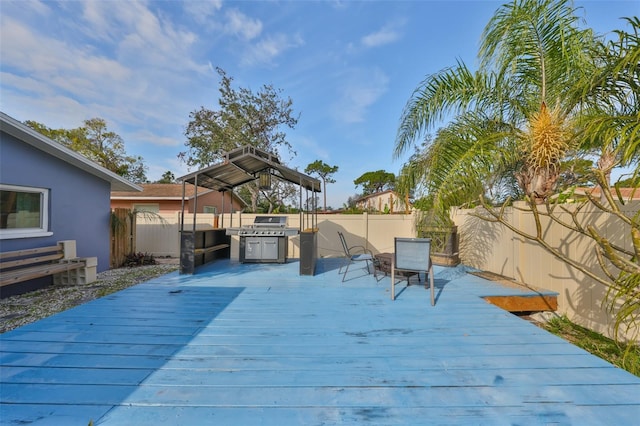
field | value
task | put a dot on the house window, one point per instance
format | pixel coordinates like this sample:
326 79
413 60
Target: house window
24 212
152 208
210 209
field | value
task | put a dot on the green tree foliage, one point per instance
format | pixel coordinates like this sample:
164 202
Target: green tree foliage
324 171
351 205
278 198
94 141
242 118
546 94
611 101
167 177
377 181
629 182
575 172
513 120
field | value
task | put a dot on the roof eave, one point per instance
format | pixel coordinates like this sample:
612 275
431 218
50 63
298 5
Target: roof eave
43 143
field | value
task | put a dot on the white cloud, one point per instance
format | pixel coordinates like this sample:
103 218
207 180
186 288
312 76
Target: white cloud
202 11
132 72
97 16
360 90
270 48
147 136
312 148
39 7
239 24
386 35
53 111
45 58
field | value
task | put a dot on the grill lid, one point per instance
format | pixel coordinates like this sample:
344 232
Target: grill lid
270 221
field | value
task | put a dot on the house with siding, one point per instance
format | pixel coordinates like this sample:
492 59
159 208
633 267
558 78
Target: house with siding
626 194
51 193
385 202
165 198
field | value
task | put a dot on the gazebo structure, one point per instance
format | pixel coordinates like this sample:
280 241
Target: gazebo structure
241 166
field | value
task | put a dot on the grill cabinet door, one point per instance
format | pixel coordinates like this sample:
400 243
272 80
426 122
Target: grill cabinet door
252 248
270 248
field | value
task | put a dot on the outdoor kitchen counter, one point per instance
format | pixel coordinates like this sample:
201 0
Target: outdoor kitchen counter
203 246
264 241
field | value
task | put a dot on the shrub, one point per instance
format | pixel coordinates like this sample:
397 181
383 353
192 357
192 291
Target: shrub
139 259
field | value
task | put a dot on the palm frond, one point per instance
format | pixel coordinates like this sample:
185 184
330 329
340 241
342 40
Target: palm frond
611 96
538 46
465 159
449 91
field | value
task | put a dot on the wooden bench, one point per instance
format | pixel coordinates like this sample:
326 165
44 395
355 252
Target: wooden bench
59 261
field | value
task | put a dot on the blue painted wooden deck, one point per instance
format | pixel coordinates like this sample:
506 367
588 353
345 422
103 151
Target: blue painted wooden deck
259 344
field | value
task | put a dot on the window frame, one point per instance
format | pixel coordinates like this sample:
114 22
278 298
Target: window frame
43 230
146 207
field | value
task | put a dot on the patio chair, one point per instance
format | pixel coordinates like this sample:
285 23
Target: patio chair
412 255
354 255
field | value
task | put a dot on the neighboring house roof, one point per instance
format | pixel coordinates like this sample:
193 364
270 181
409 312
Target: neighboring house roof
27 135
377 195
163 191
159 191
389 195
625 193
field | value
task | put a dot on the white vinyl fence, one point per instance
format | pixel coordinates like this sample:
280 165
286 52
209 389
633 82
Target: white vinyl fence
376 232
492 247
483 245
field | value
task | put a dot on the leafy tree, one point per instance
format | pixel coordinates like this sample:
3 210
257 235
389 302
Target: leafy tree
377 181
575 172
545 89
167 177
276 199
58 135
243 118
324 171
94 141
629 182
513 118
611 101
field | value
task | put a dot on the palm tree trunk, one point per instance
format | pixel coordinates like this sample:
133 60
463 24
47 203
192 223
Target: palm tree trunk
606 162
538 184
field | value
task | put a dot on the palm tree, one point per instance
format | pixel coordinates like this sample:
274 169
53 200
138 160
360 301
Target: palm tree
611 98
513 120
544 88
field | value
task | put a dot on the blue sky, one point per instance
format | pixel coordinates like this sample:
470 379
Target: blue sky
348 66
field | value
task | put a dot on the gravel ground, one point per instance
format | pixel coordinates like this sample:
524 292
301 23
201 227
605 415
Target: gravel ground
23 309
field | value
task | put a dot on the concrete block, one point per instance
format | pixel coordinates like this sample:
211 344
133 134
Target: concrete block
69 249
78 276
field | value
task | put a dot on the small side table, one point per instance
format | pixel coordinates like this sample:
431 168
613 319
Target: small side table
383 264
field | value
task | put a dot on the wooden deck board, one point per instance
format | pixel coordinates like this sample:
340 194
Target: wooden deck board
257 343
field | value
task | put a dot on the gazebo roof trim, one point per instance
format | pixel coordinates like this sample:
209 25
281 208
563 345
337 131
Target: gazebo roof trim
242 165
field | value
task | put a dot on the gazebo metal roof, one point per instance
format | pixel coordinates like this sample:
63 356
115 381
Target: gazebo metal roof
242 165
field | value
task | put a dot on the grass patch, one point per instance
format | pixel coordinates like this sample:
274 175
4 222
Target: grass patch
625 356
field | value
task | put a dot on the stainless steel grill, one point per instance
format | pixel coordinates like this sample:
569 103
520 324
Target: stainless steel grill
265 240
275 226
